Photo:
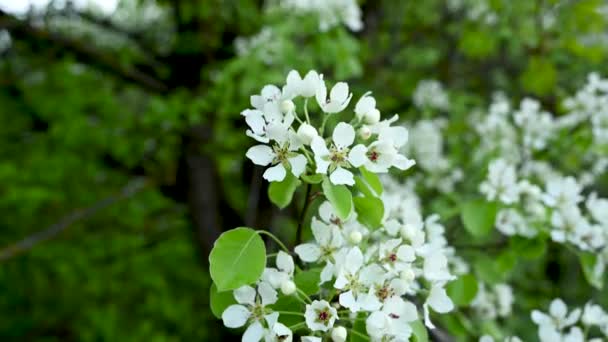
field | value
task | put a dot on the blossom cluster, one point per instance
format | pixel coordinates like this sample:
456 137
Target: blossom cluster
330 12
560 324
364 141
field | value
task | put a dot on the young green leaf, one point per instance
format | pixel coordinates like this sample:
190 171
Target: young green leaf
419 331
238 258
462 290
340 197
308 281
370 211
281 193
478 217
372 180
312 179
593 274
219 301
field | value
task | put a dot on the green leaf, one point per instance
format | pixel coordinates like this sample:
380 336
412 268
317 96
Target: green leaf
370 211
340 197
308 281
238 258
528 248
281 193
594 276
219 301
487 270
372 180
312 179
420 334
289 303
462 290
359 327
478 217
362 186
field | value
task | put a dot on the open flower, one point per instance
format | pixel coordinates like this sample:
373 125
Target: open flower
251 310
282 273
336 159
392 321
320 316
282 155
328 242
307 87
339 97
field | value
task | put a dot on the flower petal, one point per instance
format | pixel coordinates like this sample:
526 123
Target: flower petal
298 164
245 295
439 300
308 252
357 155
235 316
275 174
342 176
344 135
260 154
267 293
285 262
253 333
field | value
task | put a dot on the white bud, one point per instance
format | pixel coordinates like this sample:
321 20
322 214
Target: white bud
355 237
338 334
408 231
288 287
372 117
408 275
287 106
365 132
306 133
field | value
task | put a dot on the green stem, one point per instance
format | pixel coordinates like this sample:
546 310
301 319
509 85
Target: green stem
263 232
297 326
304 295
306 111
322 130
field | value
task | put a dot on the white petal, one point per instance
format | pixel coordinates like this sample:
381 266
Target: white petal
402 162
235 316
357 155
341 281
321 93
285 262
260 154
427 318
347 300
255 120
406 253
308 252
275 174
342 176
365 104
245 295
439 300
540 318
339 92
354 260
253 333
311 339
344 135
298 164
326 211
272 318
320 231
267 293
558 308
327 273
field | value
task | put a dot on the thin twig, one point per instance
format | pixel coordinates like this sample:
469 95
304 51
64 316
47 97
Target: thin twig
29 242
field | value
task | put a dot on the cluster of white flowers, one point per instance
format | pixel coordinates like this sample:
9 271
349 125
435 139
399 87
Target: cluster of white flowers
590 103
285 149
493 302
374 271
330 12
560 324
430 94
476 10
265 44
429 152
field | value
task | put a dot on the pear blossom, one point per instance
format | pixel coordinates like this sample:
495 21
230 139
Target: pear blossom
306 87
276 332
250 310
392 322
282 273
328 240
501 183
336 160
320 316
339 97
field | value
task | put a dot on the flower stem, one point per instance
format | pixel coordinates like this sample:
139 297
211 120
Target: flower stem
292 313
306 298
263 232
297 326
306 111
302 213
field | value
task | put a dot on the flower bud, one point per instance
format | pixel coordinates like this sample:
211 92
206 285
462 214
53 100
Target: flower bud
288 287
338 334
306 133
372 117
355 237
287 106
365 132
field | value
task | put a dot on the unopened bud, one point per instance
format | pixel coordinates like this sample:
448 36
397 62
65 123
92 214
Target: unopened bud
365 132
372 117
288 287
338 334
287 106
306 133
355 237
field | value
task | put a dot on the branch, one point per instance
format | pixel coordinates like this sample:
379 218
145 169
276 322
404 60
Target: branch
29 242
85 53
